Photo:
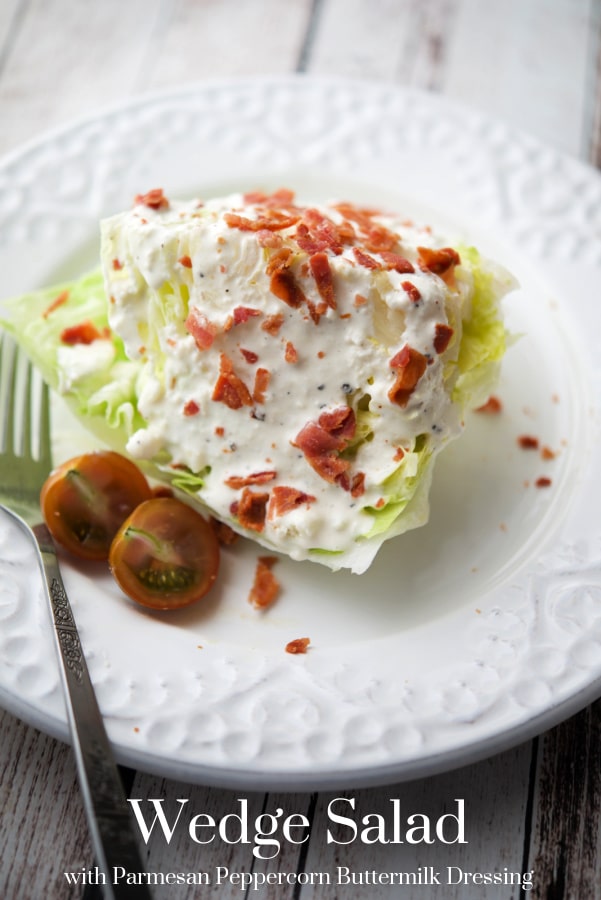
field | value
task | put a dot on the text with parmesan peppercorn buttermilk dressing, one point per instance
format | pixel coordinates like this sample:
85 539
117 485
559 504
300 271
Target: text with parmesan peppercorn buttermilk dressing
298 363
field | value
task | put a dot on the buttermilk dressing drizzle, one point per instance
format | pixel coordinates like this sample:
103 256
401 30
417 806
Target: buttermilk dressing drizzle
299 360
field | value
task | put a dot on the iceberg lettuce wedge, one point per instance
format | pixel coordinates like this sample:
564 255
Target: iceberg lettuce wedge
125 379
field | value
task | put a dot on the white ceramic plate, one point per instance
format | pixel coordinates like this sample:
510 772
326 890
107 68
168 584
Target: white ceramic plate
465 636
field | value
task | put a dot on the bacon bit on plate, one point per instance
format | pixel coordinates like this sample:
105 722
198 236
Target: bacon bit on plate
185 261
547 453
410 365
316 312
357 486
225 535
58 301
240 481
340 423
412 291
251 509
84 333
376 237
321 452
317 232
397 262
440 262
191 408
249 355
299 645
284 499
229 388
285 287
272 324
262 379
528 442
274 221
281 197
379 239
359 300
322 441
117 264
364 259
155 199
266 587
201 329
442 336
280 260
244 313
270 239
290 354
362 216
322 273
543 482
493 406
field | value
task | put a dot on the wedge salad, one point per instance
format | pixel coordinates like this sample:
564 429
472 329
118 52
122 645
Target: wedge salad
294 368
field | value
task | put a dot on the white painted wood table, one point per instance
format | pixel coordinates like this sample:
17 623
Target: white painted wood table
532 63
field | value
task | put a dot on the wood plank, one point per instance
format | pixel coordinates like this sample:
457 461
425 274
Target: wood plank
565 851
68 59
505 59
224 38
290 861
182 853
368 40
495 795
43 830
523 67
11 12
592 125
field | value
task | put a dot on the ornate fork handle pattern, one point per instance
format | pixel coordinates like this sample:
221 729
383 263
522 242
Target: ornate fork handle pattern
110 820
66 631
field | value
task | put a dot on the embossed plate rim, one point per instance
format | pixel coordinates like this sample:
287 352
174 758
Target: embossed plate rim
472 732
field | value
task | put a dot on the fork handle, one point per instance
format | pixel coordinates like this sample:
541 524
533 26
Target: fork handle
109 817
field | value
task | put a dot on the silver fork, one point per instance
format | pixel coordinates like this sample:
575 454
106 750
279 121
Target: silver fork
25 428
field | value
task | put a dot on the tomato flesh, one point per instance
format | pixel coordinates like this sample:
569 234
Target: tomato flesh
165 555
86 499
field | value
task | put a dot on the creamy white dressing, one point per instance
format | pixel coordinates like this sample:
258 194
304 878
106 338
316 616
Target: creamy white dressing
77 361
343 360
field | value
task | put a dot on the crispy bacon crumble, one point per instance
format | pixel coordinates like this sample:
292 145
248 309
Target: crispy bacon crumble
266 588
298 645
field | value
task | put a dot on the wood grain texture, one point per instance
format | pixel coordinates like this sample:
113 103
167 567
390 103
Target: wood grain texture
592 125
566 839
224 38
495 804
66 60
43 830
528 64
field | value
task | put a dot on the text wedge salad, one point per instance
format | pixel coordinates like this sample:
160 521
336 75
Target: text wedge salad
294 368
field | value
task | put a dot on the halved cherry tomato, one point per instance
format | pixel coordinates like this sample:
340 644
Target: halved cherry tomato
166 555
86 500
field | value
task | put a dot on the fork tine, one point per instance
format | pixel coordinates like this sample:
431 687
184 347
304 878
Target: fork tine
45 441
25 445
8 381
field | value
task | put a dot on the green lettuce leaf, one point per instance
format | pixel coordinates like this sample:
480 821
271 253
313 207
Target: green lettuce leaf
97 380
101 386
